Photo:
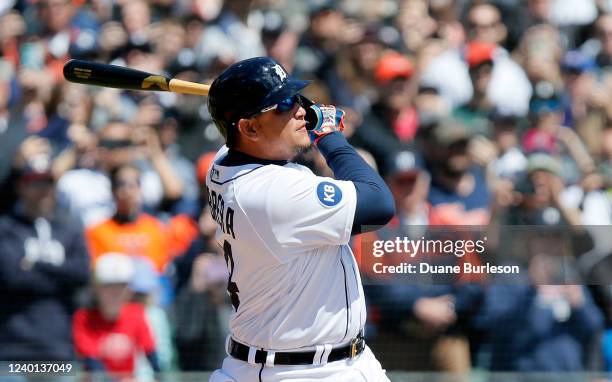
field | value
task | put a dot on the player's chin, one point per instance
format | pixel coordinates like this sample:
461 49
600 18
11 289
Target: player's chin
302 145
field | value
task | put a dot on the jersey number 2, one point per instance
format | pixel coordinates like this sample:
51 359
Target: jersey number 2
232 288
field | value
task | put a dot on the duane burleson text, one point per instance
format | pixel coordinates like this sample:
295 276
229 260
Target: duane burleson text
425 268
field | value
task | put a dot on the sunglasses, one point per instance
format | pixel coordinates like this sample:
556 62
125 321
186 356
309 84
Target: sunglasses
284 105
115 143
126 184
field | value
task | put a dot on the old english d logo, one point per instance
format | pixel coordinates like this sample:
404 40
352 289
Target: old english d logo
155 81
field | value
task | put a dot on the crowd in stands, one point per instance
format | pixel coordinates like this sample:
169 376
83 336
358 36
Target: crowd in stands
482 113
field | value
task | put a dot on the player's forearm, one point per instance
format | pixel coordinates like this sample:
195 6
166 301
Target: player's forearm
375 205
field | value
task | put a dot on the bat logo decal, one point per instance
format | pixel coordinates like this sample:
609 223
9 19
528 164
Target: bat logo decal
155 81
82 73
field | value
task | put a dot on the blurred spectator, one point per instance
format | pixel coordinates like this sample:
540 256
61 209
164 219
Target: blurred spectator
91 167
586 98
594 205
545 327
548 135
277 38
479 56
134 232
510 162
541 191
447 73
485 24
605 166
432 320
5 133
540 52
546 116
146 288
506 73
229 38
43 262
17 151
415 24
109 335
202 303
533 13
12 28
392 121
604 35
320 42
447 14
569 17
409 184
458 194
118 144
183 168
355 85
506 103
65 30
169 42
136 18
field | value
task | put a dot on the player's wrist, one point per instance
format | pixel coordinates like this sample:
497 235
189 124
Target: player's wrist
335 137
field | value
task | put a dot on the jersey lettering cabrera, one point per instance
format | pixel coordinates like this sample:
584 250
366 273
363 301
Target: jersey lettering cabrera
284 231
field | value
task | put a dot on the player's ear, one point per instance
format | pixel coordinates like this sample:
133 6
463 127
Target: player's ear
247 127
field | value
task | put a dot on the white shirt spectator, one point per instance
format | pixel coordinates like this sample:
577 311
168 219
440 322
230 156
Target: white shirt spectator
90 207
509 164
595 206
449 75
573 12
509 89
96 204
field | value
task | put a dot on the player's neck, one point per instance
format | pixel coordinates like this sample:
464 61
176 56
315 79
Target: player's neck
237 157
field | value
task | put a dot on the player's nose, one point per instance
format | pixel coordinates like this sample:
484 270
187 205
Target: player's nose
300 113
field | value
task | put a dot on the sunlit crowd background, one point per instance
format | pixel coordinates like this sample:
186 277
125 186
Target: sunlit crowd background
482 113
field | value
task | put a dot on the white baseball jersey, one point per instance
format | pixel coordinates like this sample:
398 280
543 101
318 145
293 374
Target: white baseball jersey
293 281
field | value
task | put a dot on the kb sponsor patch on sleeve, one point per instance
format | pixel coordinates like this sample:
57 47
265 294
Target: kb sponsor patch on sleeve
329 194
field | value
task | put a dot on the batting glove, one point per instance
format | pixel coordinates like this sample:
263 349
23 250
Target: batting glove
322 120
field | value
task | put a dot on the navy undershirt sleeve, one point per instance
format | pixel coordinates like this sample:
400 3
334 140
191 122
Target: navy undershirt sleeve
375 205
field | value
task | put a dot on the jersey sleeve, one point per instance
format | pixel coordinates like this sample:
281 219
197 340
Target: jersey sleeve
301 211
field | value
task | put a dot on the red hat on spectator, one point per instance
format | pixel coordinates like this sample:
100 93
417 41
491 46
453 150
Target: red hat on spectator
536 140
477 53
392 65
205 161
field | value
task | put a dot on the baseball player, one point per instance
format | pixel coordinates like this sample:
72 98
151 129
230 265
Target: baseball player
293 281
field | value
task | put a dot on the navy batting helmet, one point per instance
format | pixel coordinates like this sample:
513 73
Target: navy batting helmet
247 88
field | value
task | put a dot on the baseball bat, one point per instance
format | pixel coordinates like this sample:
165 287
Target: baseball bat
113 76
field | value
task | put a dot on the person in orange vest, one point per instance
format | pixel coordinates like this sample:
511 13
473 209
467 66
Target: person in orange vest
134 232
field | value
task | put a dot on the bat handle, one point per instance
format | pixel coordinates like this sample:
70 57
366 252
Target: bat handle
186 87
